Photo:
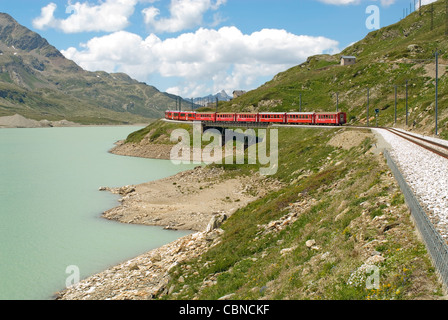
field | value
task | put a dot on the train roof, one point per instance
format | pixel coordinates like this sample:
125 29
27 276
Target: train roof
180 111
329 112
307 113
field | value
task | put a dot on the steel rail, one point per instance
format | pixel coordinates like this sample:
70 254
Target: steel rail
408 137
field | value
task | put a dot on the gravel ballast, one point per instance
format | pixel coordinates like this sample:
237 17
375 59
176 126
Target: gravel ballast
427 175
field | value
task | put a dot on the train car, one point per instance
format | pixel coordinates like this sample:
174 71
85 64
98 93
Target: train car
300 118
272 117
226 117
247 117
192 116
321 118
206 116
172 115
331 118
189 115
342 118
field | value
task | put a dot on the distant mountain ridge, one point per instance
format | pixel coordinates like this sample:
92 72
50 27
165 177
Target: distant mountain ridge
38 82
211 98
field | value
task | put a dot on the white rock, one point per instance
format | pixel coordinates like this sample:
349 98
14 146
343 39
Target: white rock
310 243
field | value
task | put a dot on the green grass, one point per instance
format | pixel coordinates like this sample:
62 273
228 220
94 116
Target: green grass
158 132
342 189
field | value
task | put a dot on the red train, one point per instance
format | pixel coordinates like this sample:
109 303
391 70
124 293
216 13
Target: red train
310 118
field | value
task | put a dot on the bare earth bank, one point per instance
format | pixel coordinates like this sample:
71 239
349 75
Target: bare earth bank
198 200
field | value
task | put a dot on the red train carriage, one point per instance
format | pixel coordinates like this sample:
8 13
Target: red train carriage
331 118
300 118
247 117
342 118
172 115
225 117
322 118
272 117
206 116
182 116
190 116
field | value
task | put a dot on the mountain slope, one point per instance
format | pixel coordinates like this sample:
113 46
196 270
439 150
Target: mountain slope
38 82
385 58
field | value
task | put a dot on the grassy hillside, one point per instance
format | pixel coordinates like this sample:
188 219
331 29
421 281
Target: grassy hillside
339 211
385 58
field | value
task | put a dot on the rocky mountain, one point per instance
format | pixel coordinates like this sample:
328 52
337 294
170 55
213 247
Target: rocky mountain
211 98
38 82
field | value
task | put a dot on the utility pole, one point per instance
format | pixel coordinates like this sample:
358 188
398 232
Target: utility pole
368 106
437 88
192 104
216 104
395 122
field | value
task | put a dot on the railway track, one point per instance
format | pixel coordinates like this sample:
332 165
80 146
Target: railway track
434 147
437 148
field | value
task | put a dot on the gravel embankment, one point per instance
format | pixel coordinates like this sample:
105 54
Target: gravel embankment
427 175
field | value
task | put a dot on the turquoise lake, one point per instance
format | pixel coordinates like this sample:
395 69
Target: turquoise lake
50 207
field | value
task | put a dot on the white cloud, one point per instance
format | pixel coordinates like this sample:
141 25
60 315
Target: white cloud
386 3
184 14
424 2
108 16
207 60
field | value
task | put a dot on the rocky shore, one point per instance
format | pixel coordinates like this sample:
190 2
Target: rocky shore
18 121
198 200
144 277
145 149
188 200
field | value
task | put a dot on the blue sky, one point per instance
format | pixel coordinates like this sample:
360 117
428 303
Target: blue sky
197 47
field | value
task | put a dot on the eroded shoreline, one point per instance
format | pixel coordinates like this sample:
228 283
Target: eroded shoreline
198 200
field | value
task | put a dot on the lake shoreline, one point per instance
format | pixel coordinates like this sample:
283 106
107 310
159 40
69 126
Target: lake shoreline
205 198
19 122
